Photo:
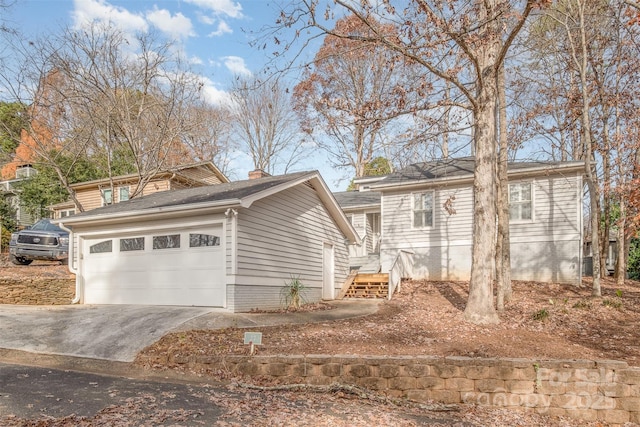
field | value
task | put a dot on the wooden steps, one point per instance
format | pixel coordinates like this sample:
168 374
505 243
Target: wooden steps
368 285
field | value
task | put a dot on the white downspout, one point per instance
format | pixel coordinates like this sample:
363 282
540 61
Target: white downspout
76 299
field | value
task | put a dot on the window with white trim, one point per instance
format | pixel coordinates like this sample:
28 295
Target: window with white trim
123 194
107 197
169 241
198 240
129 244
520 201
101 247
423 209
66 212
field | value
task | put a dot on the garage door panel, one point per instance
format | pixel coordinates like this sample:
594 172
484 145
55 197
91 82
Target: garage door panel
173 276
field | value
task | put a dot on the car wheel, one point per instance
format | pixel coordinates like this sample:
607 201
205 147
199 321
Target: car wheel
19 260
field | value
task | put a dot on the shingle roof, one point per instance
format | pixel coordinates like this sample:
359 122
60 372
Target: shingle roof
350 199
450 168
232 191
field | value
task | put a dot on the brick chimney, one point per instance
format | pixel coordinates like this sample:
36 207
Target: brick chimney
258 173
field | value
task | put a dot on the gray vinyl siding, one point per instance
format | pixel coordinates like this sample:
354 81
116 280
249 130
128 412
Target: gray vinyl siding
359 224
280 237
369 234
442 251
547 248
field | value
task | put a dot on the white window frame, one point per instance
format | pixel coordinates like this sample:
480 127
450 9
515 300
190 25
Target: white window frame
120 189
518 218
423 211
66 212
103 193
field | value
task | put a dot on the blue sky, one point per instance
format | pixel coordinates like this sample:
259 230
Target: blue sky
213 34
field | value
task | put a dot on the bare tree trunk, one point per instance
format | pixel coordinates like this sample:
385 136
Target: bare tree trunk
580 56
480 308
606 202
503 245
621 259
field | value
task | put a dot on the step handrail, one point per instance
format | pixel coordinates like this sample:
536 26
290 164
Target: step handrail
402 268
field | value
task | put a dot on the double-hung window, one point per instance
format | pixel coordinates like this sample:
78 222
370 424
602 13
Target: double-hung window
520 201
107 197
423 209
123 194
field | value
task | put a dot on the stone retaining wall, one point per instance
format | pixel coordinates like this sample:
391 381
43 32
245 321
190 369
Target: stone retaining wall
37 291
590 390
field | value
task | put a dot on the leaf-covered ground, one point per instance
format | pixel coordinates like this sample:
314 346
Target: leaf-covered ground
543 321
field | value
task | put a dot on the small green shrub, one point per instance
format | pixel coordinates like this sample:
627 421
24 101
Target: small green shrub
292 294
619 293
613 303
541 315
583 304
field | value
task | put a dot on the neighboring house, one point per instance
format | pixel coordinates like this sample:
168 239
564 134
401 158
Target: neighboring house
10 191
101 192
612 255
232 245
427 209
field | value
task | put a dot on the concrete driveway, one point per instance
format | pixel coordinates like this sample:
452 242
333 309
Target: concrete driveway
112 332
120 332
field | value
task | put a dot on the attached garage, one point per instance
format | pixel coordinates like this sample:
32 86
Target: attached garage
160 267
232 245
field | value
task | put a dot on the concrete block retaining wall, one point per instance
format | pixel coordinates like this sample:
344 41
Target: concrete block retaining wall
590 390
37 291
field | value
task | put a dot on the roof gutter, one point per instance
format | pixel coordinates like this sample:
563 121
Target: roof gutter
569 167
162 211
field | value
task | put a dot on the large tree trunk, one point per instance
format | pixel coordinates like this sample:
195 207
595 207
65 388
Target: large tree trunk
589 149
621 261
503 245
480 308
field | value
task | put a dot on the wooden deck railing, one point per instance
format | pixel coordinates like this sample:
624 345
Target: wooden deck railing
402 268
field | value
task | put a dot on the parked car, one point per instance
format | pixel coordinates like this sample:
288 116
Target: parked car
42 241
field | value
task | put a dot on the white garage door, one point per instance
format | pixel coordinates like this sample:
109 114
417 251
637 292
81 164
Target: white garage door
166 267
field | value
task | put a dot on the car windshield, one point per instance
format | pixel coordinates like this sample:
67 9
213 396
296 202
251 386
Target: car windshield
44 225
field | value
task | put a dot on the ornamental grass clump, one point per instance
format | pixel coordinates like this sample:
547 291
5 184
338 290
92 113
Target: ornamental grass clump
293 294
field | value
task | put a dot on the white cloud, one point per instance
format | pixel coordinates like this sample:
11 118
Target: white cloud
196 60
213 95
223 28
220 7
88 11
236 65
206 19
178 26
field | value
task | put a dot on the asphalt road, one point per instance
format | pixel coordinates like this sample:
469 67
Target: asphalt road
43 396
34 393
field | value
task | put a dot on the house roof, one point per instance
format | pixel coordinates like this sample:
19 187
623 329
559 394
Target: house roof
462 169
357 199
217 197
173 172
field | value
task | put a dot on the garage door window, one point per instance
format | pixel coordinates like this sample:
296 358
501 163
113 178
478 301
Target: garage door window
132 244
166 242
102 247
198 240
